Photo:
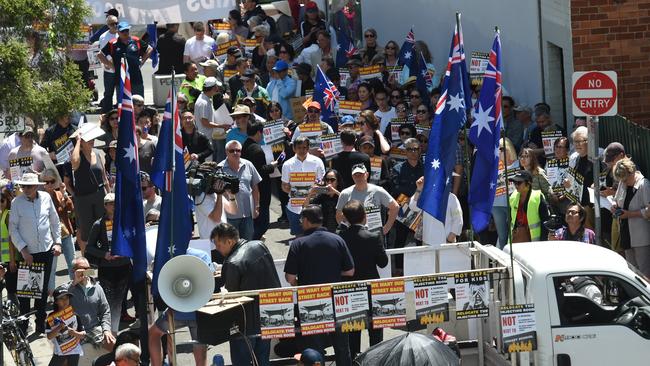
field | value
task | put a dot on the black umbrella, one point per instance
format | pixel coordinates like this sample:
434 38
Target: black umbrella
409 349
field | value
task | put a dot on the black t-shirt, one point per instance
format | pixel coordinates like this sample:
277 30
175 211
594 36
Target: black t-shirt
318 257
328 205
170 47
56 136
344 162
306 27
626 241
132 50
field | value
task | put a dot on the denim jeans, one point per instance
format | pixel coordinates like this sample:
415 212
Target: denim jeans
261 223
245 227
295 228
240 355
500 215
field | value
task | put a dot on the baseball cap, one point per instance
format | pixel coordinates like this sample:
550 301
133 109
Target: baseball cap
211 81
311 6
210 63
60 291
122 26
359 168
280 66
27 130
346 120
309 356
366 140
233 50
314 105
522 176
112 12
614 149
248 74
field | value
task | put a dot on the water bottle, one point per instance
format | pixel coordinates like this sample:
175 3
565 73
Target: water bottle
217 360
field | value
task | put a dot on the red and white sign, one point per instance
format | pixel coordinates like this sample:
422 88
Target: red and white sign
594 93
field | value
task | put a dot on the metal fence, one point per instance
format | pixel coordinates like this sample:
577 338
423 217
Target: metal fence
635 139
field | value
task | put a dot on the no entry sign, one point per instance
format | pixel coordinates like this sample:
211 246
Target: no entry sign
594 93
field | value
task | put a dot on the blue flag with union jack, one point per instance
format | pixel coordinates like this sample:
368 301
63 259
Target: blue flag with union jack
326 93
406 51
175 228
128 228
153 42
345 48
484 134
450 116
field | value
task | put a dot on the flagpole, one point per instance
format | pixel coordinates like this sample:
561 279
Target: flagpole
505 175
466 157
170 196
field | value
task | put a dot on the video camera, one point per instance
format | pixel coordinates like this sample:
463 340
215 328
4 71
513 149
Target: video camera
201 178
553 223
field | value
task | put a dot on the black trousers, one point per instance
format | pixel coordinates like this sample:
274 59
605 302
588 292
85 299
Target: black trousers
39 304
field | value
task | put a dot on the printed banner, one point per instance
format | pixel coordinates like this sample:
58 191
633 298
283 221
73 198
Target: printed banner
576 180
556 171
331 145
273 132
518 328
477 66
351 306
388 308
276 314
431 300
548 139
375 169
141 12
316 315
472 295
370 72
30 280
349 107
301 183
501 180
66 342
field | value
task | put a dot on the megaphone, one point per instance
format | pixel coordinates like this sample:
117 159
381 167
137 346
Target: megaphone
185 283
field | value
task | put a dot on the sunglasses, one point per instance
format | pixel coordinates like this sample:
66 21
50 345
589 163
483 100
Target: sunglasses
423 141
380 99
369 35
421 111
233 151
283 51
517 183
395 96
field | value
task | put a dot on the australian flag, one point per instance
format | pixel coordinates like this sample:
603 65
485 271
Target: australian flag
345 48
423 81
484 134
450 116
175 228
153 42
406 51
326 93
128 228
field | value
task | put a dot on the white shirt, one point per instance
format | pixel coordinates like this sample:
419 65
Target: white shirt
203 222
103 41
384 118
34 224
199 50
433 233
293 165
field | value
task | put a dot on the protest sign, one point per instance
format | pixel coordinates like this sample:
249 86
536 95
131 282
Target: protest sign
276 314
472 295
556 171
370 72
331 145
351 306
273 132
388 308
316 315
431 300
301 183
518 328
477 66
548 139
30 280
64 340
349 107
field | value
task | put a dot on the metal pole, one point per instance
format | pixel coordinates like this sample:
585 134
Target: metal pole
170 196
593 135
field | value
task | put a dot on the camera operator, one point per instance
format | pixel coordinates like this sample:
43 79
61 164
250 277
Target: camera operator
575 229
211 207
248 197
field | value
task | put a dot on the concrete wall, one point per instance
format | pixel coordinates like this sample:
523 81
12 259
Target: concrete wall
518 21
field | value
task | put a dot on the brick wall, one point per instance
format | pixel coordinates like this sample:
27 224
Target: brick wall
615 35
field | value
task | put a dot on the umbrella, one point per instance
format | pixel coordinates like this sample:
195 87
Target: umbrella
408 349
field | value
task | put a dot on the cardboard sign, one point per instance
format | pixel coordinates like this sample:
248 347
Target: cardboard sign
331 145
273 132
351 306
576 180
388 304
501 180
221 28
431 300
30 280
64 152
375 169
66 342
556 171
349 107
20 166
518 328
548 139
301 183
477 66
222 49
316 315
370 72
276 314
472 295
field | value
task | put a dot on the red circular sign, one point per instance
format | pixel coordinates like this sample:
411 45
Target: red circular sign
594 93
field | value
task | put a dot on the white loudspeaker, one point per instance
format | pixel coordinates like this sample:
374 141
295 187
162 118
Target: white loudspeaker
185 283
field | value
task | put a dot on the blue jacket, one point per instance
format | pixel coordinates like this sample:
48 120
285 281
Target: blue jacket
286 89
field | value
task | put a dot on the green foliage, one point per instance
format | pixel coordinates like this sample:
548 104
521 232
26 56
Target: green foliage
36 80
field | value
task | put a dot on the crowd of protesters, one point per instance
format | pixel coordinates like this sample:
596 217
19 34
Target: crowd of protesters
366 192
